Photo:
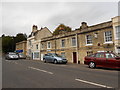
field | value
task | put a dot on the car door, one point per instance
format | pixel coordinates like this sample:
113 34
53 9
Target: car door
110 60
49 57
100 59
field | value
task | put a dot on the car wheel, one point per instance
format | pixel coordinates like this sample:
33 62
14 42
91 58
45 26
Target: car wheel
65 63
44 60
55 61
92 65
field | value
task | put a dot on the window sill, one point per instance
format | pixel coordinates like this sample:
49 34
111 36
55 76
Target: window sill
48 48
108 43
88 44
73 46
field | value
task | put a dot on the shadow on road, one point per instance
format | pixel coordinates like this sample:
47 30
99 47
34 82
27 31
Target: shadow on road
107 69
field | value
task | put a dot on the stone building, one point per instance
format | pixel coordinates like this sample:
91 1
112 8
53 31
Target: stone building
116 30
21 47
34 41
85 40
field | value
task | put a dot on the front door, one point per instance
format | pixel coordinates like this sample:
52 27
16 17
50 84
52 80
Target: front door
74 57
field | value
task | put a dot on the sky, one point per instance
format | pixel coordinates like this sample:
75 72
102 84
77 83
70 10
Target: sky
19 16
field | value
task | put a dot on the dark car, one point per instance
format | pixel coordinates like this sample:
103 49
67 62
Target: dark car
11 55
103 59
54 58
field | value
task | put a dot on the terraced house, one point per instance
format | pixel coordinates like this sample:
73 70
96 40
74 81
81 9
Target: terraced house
34 41
85 40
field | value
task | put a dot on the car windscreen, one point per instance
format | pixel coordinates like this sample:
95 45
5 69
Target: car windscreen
56 55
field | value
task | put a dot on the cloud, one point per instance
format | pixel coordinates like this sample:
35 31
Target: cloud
92 13
20 16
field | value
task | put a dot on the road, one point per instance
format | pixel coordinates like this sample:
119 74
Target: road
36 74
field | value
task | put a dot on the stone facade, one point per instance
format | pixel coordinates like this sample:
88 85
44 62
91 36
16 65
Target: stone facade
22 46
116 30
34 41
75 45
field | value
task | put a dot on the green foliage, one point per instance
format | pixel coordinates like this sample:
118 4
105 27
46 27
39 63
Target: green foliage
20 37
61 27
9 42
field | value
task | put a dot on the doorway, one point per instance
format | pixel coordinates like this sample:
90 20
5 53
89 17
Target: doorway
74 57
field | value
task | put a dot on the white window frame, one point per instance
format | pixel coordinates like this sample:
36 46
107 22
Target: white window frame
117 32
87 40
48 46
72 42
106 42
62 43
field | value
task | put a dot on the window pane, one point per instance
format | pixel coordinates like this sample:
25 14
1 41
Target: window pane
63 43
117 32
89 39
36 54
108 55
73 41
63 54
49 45
100 55
108 36
37 46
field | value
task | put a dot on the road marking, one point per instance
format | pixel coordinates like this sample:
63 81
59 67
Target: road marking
61 65
96 84
40 70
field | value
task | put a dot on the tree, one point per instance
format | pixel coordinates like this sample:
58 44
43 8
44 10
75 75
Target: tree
20 37
3 35
9 42
62 28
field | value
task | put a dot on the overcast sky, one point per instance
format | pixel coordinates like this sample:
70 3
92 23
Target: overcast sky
19 17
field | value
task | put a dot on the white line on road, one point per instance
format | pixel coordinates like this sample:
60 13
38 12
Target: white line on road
40 70
96 84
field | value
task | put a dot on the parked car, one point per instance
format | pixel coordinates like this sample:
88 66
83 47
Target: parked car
54 58
21 56
103 59
11 55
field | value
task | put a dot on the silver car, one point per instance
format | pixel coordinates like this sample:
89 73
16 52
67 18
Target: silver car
21 56
11 55
54 58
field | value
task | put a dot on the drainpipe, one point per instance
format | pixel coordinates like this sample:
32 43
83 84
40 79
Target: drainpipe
77 48
55 44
